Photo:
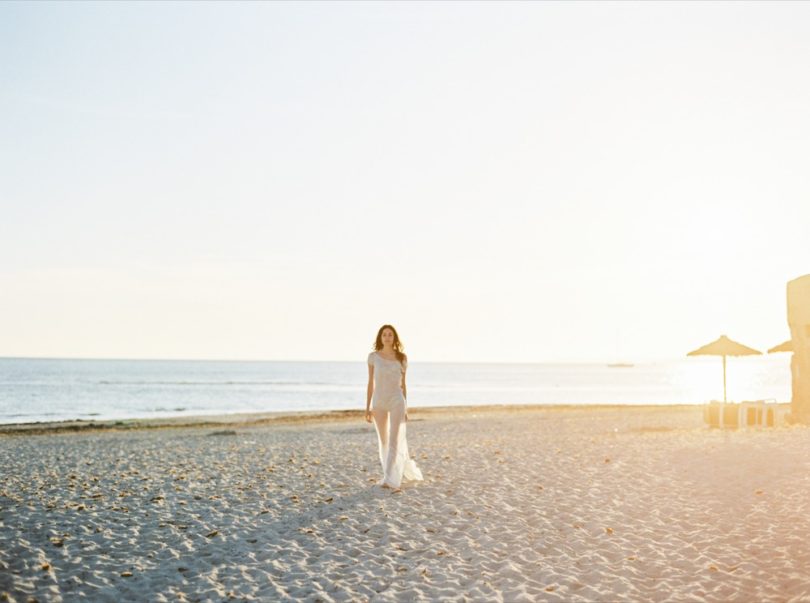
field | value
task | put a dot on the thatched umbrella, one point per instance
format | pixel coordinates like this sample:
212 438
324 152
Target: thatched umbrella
724 347
785 346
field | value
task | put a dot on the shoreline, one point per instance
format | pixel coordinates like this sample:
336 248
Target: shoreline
304 417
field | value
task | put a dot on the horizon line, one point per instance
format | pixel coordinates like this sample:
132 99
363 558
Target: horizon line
299 360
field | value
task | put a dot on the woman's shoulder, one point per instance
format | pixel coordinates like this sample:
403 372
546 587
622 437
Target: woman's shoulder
371 357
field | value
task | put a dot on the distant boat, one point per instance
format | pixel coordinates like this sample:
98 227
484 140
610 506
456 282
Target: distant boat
621 365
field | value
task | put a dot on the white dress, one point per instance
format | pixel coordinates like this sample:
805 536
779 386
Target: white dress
388 408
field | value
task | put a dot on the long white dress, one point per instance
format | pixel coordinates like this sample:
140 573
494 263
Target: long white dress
388 409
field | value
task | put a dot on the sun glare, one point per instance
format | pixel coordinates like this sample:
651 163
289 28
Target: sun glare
747 378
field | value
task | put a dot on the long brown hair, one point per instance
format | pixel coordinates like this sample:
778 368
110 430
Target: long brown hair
398 347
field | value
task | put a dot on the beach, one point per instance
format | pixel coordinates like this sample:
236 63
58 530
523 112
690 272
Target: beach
518 504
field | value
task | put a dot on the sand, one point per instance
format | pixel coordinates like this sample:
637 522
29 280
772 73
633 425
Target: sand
563 504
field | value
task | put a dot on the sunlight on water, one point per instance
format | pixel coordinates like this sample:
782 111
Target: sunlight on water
747 378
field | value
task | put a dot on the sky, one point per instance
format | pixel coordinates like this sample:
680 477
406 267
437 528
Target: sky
503 182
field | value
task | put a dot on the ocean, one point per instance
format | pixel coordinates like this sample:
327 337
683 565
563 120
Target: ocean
33 390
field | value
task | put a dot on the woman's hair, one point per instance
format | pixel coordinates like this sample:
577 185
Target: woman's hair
398 348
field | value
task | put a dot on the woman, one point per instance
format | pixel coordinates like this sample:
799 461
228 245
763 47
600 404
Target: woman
386 388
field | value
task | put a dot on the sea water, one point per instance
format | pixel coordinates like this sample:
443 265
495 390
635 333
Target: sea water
62 389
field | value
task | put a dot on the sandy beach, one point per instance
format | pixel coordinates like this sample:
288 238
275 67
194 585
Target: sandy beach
555 504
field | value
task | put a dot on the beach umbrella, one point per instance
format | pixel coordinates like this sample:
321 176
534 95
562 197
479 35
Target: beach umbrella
785 346
724 347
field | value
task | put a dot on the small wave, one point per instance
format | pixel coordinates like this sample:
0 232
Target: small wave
209 383
31 414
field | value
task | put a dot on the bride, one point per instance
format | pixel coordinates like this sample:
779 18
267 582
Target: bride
386 404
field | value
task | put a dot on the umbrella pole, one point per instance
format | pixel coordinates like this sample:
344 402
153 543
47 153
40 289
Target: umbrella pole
725 399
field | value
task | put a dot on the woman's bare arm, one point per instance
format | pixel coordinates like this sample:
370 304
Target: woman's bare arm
405 386
369 389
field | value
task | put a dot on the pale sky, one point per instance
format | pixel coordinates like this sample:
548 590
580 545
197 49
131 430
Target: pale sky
532 182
